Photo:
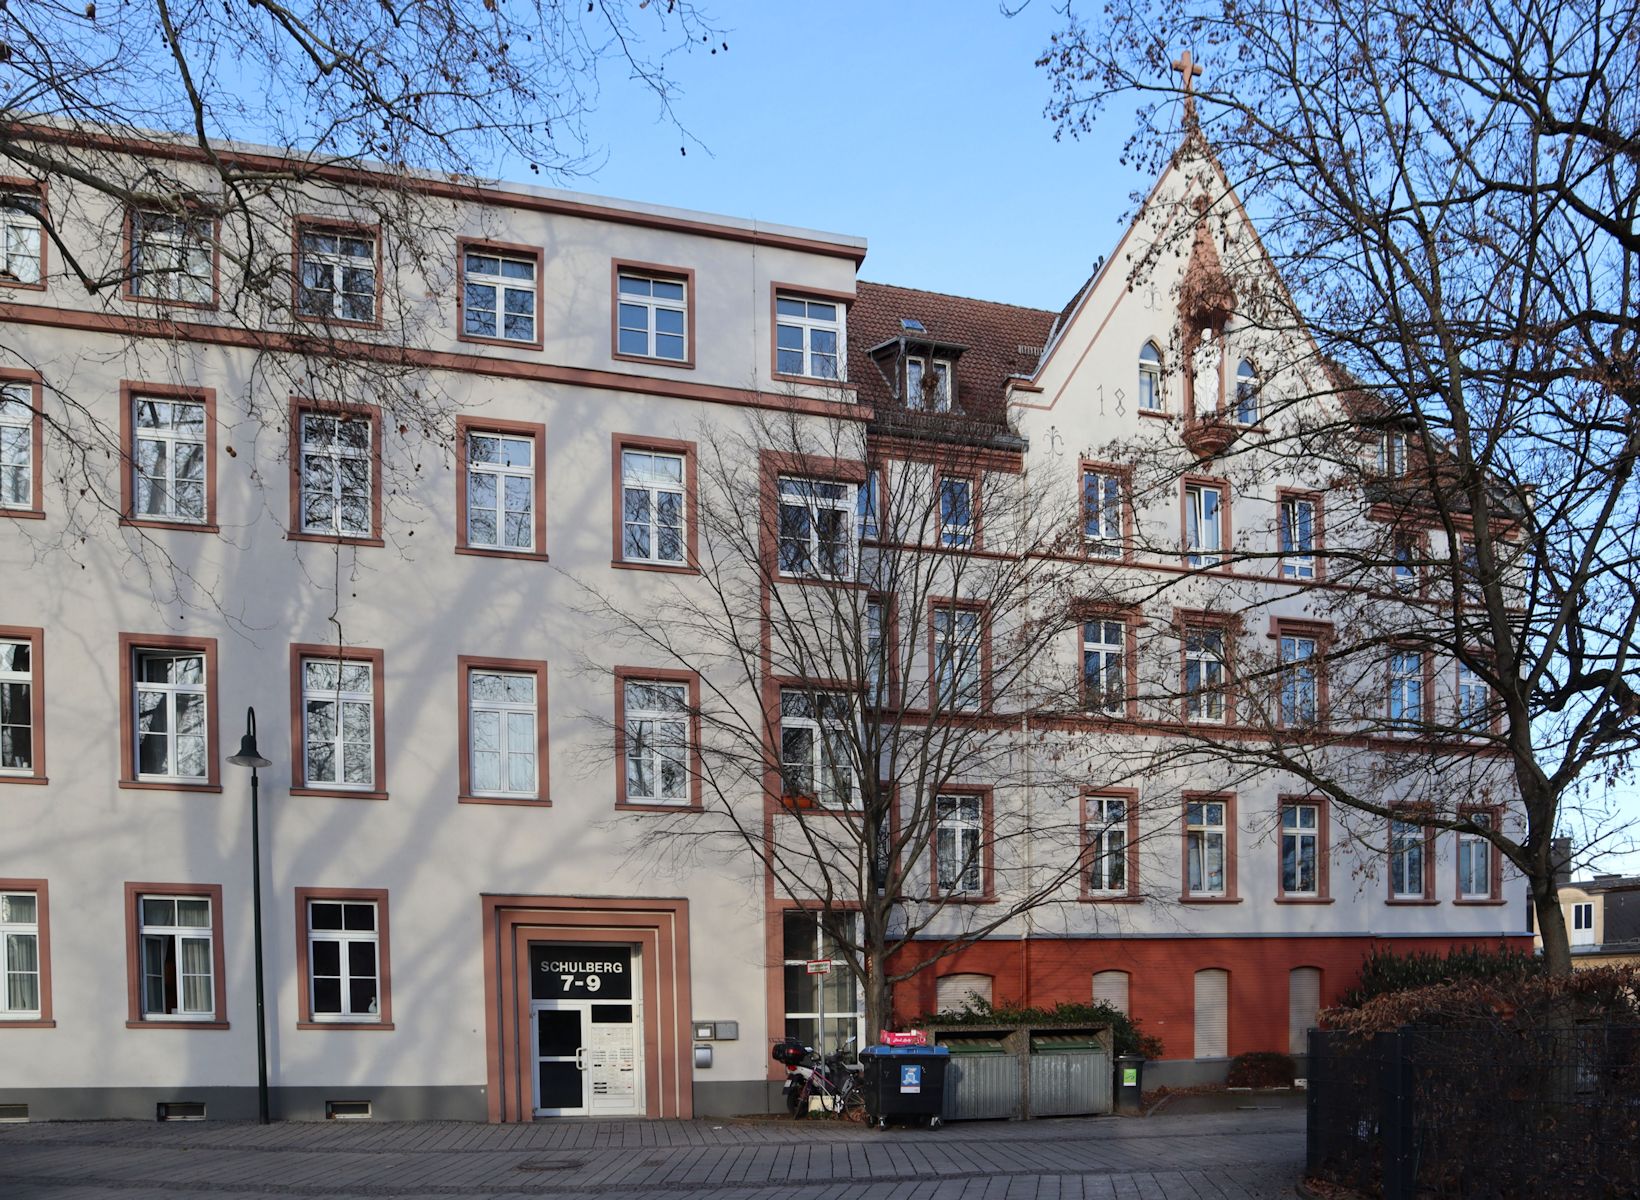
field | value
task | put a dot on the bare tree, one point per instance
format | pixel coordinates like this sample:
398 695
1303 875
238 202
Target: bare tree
873 629
1448 197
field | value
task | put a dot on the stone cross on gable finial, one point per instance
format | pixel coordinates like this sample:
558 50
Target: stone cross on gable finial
1188 68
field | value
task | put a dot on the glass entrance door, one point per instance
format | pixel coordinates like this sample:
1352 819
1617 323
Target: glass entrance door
558 1037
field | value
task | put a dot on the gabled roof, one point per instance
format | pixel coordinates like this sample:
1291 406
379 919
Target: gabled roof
1001 340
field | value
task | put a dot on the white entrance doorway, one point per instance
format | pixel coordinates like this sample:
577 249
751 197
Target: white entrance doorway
585 1023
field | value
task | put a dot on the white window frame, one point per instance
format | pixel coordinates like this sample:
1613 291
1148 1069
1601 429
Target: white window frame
1297 544
956 534
1300 680
502 288
652 486
22 236
1406 690
1207 848
344 938
1408 849
959 657
17 444
917 368
811 498
1473 700
501 472
822 731
1150 379
808 329
959 823
1392 453
1104 665
1583 923
339 458
825 944
641 304
1204 675
1247 392
11 678
1203 524
505 709
339 698
173 257
1105 839
170 695
13 932
1403 571
655 735
1300 845
176 934
349 254
1102 513
1475 853
876 651
175 437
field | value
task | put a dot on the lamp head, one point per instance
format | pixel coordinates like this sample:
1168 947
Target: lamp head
248 755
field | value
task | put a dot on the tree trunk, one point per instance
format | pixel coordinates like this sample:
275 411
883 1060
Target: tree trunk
1551 924
879 1001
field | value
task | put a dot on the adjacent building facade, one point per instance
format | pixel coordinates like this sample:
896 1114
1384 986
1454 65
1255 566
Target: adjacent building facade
464 913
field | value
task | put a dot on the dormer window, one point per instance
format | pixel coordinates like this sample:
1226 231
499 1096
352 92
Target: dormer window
928 384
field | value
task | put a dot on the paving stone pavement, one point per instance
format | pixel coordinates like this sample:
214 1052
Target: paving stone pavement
1244 1155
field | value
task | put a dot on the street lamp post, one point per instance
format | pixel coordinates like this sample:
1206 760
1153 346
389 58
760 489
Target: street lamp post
249 756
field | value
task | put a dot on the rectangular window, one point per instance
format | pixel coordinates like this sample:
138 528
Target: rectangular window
337 477
956 512
959 829
173 257
866 505
1403 563
18 451
20 990
21 238
823 1011
170 450
1204 836
336 275
1299 681
959 657
1407 861
653 507
816 528
1204 675
877 650
1104 837
339 723
1102 513
19 720
1583 924
1473 701
502 714
178 961
808 337
1406 690
928 385
1475 860
498 295
656 726
171 715
1298 537
501 500
1392 454
344 961
816 758
1104 666
1203 524
1300 850
652 316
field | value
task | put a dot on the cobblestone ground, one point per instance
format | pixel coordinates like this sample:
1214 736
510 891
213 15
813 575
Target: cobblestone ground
1237 1155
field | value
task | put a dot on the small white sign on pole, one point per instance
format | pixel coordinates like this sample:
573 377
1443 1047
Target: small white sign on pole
819 966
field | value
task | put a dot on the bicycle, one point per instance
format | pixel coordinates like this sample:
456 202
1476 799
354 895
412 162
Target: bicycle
832 1080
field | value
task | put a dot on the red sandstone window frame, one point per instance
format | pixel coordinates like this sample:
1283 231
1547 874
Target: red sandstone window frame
466 246
384 974
1186 622
793 291
132 644
134 892
36 639
1323 845
299 786
130 393
42 924
465 666
1129 619
41 190
317 224
1494 861
691 682
976 510
1230 894
299 408
466 427
36 427
1318 535
690 453
669 274
1222 554
128 246
951 707
1321 633
1427 897
1124 478
1130 851
987 893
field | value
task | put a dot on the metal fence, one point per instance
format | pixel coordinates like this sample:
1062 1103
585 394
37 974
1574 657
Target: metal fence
1478 1114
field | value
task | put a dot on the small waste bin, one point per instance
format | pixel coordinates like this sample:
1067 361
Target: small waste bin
904 1083
1130 1082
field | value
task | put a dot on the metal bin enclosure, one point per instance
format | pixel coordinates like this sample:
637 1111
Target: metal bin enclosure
904 1081
1070 1075
981 1080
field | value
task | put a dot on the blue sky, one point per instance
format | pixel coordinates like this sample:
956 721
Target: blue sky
917 125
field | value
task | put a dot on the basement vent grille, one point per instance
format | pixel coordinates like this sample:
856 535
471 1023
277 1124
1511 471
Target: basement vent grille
347 1110
13 1114
181 1110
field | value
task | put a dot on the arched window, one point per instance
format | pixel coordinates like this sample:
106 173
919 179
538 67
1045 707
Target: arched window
1303 1001
1111 987
1246 393
1150 378
1212 1013
953 992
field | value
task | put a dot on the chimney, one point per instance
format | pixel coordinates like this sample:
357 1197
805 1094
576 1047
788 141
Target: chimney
1560 858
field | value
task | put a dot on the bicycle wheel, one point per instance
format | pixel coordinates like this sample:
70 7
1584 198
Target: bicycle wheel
800 1102
851 1105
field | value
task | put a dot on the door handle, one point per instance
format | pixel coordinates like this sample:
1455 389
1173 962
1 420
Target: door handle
580 1058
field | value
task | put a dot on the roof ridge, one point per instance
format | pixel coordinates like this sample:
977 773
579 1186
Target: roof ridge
956 296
